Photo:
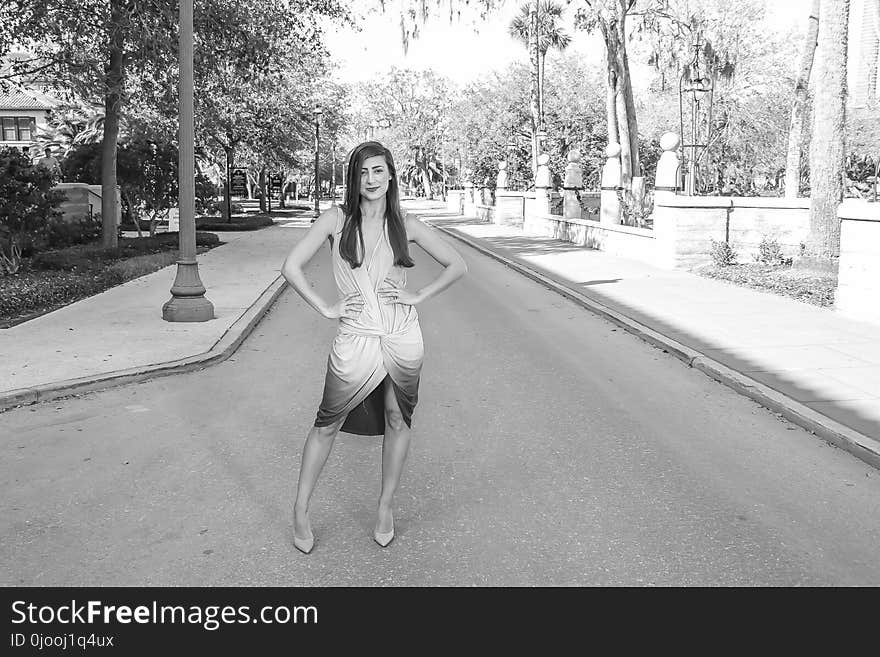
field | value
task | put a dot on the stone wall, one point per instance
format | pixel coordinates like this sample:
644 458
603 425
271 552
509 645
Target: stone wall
858 278
624 241
686 225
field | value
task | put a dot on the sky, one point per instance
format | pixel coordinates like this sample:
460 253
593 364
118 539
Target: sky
470 47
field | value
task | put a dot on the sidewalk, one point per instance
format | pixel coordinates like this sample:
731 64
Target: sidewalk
818 369
119 336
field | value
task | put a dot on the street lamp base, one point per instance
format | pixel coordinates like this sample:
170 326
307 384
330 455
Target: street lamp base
188 309
188 302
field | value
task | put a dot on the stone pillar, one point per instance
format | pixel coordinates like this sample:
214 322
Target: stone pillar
486 191
858 278
610 203
542 185
667 185
470 207
571 185
501 179
668 181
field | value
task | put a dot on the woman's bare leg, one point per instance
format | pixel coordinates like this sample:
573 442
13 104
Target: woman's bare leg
317 448
394 450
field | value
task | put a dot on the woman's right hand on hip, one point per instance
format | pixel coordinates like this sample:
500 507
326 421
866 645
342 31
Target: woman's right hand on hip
350 306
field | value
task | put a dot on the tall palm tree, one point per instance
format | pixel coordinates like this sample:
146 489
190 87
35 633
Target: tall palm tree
538 27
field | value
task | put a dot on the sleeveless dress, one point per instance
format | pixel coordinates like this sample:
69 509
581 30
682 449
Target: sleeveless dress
385 340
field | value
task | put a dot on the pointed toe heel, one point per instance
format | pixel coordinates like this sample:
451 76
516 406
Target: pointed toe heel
304 545
383 539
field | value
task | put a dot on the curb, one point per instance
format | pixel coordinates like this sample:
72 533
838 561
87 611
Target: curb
859 445
219 351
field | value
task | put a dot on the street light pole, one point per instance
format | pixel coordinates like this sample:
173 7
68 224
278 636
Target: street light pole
333 176
188 302
317 165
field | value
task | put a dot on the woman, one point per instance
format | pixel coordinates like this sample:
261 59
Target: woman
372 381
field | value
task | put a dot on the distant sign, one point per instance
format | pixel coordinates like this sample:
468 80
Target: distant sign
238 182
174 220
275 182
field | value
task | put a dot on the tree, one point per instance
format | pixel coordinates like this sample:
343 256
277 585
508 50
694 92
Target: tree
751 107
609 17
828 141
90 46
110 49
537 26
27 203
415 105
799 106
255 95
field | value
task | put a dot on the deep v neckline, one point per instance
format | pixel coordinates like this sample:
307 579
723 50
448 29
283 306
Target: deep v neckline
369 263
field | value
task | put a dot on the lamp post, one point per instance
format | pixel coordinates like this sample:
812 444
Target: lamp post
188 302
318 113
542 137
695 86
344 167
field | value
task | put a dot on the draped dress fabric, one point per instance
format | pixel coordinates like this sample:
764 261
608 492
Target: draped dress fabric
384 340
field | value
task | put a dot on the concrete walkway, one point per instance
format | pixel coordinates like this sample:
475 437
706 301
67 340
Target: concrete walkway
119 336
818 369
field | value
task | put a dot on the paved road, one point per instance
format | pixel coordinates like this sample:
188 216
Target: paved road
551 448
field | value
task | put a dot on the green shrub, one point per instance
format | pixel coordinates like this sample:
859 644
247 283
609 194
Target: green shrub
203 238
770 253
61 232
138 266
722 254
27 204
237 223
87 256
206 193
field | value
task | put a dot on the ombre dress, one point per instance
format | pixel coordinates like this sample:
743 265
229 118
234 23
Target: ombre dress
385 340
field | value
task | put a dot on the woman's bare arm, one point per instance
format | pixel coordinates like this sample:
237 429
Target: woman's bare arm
299 256
454 266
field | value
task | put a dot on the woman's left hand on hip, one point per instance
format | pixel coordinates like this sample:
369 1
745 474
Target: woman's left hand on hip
392 292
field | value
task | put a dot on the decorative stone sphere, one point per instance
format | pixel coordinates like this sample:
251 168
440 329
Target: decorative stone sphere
574 155
543 159
670 141
613 150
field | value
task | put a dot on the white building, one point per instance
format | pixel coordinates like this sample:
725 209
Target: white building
24 114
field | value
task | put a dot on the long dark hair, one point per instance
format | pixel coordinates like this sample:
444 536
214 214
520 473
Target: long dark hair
351 234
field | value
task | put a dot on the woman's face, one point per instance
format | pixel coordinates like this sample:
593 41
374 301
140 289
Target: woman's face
374 178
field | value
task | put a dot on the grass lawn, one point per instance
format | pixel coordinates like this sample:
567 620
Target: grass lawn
54 279
799 284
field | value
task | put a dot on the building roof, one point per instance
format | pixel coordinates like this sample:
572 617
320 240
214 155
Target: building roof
17 98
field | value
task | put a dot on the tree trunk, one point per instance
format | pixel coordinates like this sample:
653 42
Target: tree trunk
799 107
262 185
542 56
628 116
133 213
613 46
610 104
426 182
827 148
112 103
533 81
227 190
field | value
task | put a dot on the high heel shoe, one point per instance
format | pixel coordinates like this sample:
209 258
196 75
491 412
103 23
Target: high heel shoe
383 539
304 545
